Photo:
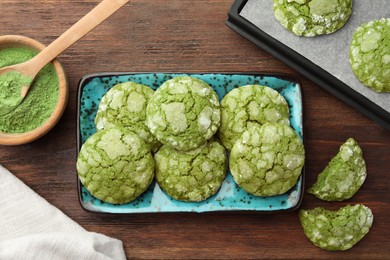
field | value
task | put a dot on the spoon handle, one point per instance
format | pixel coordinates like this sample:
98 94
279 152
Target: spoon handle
97 15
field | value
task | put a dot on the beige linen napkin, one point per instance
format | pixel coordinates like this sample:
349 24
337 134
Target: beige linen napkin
32 228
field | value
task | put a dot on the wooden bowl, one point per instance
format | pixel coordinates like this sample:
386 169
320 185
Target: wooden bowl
8 41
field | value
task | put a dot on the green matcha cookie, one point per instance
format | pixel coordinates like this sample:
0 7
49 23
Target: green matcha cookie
336 230
193 175
124 105
267 160
370 54
343 176
250 105
115 165
312 17
183 113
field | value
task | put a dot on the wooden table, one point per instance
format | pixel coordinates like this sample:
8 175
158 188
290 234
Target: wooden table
190 36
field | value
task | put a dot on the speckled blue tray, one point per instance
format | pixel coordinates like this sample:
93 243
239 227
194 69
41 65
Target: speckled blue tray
230 196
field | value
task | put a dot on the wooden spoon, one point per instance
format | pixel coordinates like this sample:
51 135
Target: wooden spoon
31 68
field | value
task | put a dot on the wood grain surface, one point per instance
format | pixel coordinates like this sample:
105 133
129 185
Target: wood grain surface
190 36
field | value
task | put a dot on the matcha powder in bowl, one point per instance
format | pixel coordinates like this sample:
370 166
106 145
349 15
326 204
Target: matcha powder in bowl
41 100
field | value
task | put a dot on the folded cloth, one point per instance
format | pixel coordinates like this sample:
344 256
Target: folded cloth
32 228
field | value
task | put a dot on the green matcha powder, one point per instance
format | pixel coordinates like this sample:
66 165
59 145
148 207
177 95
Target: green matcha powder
11 85
41 99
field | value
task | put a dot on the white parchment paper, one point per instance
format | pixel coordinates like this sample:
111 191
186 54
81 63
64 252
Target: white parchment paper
330 52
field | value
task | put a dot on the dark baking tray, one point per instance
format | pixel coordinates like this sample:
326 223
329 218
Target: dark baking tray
305 66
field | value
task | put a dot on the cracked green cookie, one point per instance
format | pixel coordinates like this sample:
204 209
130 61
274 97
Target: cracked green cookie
336 230
183 113
250 105
194 175
312 17
343 176
370 54
115 165
124 105
267 160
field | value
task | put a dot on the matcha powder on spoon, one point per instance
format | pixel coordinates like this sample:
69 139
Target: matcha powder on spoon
11 84
41 100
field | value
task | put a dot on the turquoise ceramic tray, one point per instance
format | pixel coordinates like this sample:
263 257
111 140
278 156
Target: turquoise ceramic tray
230 196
